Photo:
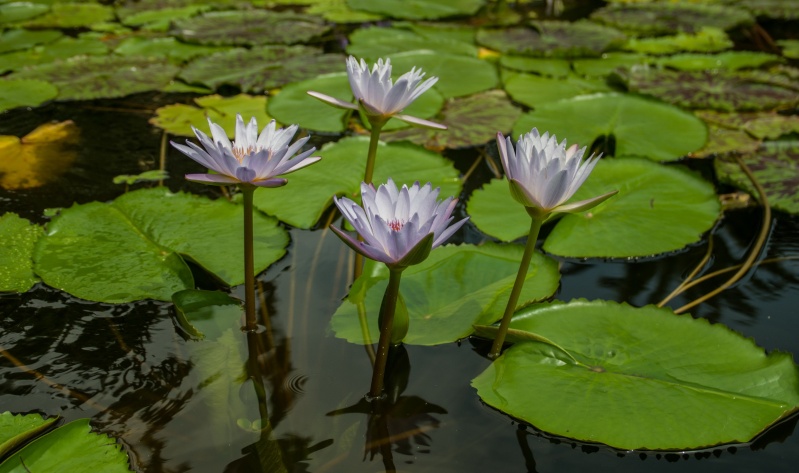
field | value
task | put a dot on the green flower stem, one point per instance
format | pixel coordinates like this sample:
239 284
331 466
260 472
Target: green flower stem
532 237
377 125
249 266
387 309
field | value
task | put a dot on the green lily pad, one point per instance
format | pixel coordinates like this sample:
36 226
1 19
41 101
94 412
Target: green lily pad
16 429
651 195
127 250
603 66
178 119
60 49
761 125
730 60
90 77
457 75
707 40
651 19
640 127
724 140
25 93
72 447
16 12
17 39
775 165
553 39
790 48
773 9
373 43
441 31
72 15
470 121
725 91
16 266
418 9
543 66
310 192
533 91
338 11
638 378
250 28
158 19
170 48
455 288
258 69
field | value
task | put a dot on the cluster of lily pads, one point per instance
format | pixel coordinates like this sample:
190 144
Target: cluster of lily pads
641 95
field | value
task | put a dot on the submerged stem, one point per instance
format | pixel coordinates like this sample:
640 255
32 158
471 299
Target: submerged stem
532 237
387 309
249 266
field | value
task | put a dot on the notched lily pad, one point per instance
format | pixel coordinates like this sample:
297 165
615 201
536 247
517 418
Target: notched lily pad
553 39
38 158
652 19
418 9
250 28
178 119
16 265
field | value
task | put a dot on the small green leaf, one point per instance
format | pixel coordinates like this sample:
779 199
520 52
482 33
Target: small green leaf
146 176
16 266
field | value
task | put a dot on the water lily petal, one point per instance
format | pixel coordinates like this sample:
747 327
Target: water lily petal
213 179
416 121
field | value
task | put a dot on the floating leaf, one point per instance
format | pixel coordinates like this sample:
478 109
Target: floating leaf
250 28
724 140
773 9
17 39
171 48
40 157
373 43
158 19
639 126
533 91
601 67
638 378
457 75
651 19
89 77
543 66
147 176
775 165
730 60
16 429
15 12
60 49
418 9
455 288
553 39
470 121
761 125
72 15
725 91
72 447
340 171
127 250
16 266
338 11
706 40
258 69
24 93
790 48
178 119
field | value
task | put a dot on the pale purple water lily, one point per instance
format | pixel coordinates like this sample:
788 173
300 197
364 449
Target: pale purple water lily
399 226
544 174
250 158
379 96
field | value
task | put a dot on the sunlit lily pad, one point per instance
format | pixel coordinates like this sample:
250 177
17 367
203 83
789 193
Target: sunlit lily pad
16 429
128 250
258 69
638 378
60 49
72 447
532 90
16 266
90 77
19 38
553 39
250 28
38 158
15 12
775 165
631 120
373 43
551 67
651 19
470 121
706 40
339 11
730 60
652 196
455 288
725 91
603 66
418 9
72 15
24 93
310 192
457 75
171 48
178 119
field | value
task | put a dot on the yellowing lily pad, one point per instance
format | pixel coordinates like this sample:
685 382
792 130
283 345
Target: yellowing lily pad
40 157
178 119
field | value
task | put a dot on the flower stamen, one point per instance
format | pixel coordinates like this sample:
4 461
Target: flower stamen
396 225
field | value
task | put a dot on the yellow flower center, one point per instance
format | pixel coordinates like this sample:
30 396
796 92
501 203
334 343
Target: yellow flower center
396 225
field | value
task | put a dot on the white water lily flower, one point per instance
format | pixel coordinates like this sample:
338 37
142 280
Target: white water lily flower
399 226
544 174
379 96
250 158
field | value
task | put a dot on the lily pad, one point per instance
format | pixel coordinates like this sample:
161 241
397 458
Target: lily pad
457 75
60 49
761 125
533 91
603 66
775 165
470 121
707 40
455 288
249 28
72 447
38 158
170 48
725 91
373 43
16 12
158 19
338 11
16 429
310 192
90 77
24 93
652 19
790 48
258 69
16 266
553 39
773 9
651 195
178 119
629 119
543 66
638 378
72 15
127 250
730 60
418 9
725 140
17 39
